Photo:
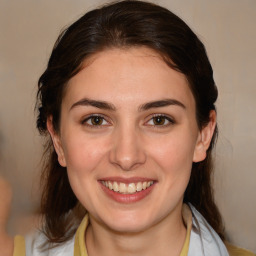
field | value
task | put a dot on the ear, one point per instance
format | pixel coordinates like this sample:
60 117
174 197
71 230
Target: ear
56 142
204 139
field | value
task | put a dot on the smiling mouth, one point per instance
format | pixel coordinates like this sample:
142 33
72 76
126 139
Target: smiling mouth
130 188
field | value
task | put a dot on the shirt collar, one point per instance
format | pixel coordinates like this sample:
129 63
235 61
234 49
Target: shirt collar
80 247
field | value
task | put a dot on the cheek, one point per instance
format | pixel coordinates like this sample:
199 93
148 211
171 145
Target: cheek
84 154
174 157
174 153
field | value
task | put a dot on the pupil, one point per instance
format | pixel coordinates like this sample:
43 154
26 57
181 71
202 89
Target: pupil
158 120
97 120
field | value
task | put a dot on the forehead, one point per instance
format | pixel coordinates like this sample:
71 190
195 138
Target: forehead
128 76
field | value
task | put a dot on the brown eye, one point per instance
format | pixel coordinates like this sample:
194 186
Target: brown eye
97 120
159 120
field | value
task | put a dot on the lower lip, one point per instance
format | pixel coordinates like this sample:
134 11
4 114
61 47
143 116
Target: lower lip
127 198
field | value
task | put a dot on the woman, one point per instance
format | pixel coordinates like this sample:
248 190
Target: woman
128 101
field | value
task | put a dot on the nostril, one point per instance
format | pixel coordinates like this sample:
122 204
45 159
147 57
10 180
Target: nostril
127 160
127 150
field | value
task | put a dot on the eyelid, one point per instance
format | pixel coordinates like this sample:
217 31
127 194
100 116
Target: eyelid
88 117
167 117
85 119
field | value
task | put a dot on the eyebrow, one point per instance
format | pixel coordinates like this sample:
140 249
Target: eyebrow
108 106
161 103
95 103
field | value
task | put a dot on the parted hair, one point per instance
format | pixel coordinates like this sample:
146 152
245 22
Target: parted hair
122 24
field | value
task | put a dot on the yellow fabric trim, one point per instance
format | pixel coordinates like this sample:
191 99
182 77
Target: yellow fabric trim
80 247
19 246
235 251
187 218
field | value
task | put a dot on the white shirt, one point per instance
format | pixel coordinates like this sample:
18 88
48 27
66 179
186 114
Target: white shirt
204 241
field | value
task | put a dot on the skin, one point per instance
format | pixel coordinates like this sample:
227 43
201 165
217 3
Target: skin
129 143
6 242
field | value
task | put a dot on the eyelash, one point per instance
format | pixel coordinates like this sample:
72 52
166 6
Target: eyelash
89 118
166 119
103 119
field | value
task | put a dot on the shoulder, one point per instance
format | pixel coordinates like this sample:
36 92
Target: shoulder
6 245
35 241
235 251
204 236
203 239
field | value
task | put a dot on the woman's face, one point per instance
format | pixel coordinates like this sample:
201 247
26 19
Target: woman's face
128 137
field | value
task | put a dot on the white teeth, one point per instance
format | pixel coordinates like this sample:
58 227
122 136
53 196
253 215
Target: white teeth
115 187
122 188
139 186
130 188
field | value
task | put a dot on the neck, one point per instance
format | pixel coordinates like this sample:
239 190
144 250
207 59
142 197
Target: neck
164 238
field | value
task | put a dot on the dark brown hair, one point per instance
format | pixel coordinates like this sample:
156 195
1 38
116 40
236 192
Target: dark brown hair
122 24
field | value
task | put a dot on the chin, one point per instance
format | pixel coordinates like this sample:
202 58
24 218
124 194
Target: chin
128 222
128 227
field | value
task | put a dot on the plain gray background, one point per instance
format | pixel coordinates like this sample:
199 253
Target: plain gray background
28 30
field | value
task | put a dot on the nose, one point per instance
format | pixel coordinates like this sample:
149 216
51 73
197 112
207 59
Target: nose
127 149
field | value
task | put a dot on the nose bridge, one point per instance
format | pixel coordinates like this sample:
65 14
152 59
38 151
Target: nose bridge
127 150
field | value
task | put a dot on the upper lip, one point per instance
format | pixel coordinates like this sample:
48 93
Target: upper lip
127 180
